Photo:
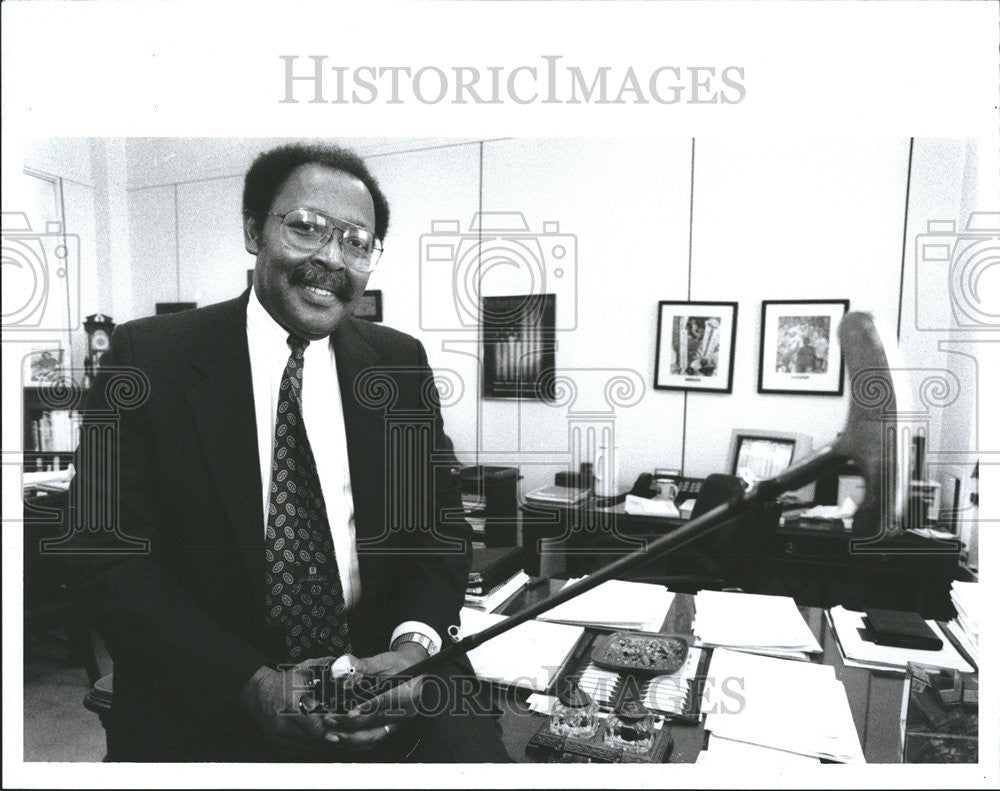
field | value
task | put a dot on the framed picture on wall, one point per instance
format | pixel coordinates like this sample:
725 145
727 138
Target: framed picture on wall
370 306
43 364
519 349
799 349
694 346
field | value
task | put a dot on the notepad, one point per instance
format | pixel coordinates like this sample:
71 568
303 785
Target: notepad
497 595
615 604
530 655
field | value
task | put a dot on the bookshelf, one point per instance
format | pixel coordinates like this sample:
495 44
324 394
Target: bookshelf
51 426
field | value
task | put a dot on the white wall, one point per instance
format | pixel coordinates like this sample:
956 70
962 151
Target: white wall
774 218
68 162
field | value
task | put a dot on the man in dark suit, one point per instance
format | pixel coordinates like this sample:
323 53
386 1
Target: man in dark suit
270 551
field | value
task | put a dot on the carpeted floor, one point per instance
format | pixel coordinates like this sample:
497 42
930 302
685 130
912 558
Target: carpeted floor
56 725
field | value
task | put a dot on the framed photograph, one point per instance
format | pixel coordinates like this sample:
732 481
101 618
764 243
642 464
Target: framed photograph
519 350
799 350
43 365
694 346
370 306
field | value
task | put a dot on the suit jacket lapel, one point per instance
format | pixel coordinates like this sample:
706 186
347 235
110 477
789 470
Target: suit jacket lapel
364 429
223 407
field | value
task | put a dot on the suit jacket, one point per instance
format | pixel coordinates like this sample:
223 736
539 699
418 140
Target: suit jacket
184 622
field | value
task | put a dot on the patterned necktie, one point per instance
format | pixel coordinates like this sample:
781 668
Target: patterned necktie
303 590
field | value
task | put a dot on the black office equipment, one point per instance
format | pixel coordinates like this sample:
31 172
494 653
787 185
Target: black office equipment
900 629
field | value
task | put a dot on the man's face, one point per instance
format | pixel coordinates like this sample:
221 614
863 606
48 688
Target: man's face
309 293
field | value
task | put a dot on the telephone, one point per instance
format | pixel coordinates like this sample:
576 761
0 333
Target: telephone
649 486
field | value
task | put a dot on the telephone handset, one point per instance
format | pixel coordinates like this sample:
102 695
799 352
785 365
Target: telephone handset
649 486
645 486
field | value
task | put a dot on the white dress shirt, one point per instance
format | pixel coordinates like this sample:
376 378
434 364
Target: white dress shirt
323 415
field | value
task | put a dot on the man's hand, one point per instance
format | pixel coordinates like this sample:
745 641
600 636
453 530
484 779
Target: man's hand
369 723
276 699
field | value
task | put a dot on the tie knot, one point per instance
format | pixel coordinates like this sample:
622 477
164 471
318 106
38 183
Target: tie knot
297 344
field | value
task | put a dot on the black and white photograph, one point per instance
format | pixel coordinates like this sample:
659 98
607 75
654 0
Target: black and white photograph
694 346
417 395
44 365
799 347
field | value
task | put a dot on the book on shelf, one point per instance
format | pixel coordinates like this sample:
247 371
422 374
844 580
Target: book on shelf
54 430
558 495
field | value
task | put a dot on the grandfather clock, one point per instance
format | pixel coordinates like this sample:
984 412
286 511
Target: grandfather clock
99 328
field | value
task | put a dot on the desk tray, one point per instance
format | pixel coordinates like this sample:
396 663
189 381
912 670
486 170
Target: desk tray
640 652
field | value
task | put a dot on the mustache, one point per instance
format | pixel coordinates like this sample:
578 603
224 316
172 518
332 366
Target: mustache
336 281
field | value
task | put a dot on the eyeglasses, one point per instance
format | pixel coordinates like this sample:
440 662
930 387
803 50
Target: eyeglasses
306 231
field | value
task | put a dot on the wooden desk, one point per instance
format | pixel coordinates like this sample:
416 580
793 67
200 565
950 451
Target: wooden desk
816 567
875 698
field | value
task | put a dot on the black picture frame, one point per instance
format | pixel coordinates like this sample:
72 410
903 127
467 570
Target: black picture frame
519 347
369 306
695 346
799 349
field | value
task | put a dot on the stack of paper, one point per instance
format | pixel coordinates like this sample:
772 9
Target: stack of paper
859 652
601 684
751 622
728 753
529 655
641 506
799 707
615 604
558 495
669 694
965 626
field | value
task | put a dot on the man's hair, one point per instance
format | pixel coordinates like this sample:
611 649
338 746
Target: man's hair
270 170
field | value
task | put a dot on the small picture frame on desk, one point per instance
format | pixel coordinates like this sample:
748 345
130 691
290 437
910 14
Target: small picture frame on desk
694 346
799 348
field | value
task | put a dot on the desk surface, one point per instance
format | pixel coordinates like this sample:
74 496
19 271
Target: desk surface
875 698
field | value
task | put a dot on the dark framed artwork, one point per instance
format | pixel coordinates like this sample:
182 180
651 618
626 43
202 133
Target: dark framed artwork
694 346
799 349
519 350
369 306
